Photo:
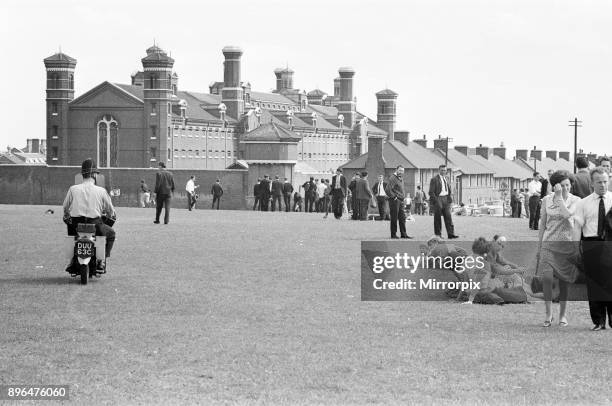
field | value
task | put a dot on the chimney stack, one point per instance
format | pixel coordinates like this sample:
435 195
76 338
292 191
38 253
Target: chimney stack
232 92
385 118
592 158
522 154
402 136
375 164
284 79
537 154
564 155
482 151
500 151
440 143
421 141
346 104
552 155
462 148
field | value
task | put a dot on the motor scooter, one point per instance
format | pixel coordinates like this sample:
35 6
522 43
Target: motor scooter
83 252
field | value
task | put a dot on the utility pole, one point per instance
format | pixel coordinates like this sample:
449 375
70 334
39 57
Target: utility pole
447 140
575 123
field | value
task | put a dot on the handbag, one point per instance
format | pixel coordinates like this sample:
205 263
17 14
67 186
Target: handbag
373 202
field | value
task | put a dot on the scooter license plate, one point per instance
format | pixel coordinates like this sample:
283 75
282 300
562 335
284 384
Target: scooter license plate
84 249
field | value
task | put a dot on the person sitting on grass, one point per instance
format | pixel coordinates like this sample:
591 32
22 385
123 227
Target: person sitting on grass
510 274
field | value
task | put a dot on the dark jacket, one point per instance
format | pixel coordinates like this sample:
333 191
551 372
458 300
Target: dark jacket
287 188
256 190
277 188
582 184
310 188
362 190
544 190
435 187
395 188
164 183
377 186
216 189
264 189
342 184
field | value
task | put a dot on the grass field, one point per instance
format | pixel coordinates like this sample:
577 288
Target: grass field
246 307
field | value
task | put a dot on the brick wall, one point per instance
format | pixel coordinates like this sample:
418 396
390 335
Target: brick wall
22 184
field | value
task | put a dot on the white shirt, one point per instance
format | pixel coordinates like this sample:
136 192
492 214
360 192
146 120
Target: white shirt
587 213
190 187
88 200
321 189
381 189
444 191
534 188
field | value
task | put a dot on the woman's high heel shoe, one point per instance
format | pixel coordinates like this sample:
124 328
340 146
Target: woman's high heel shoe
548 323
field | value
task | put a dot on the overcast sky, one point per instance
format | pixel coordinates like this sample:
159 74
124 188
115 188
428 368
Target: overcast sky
477 71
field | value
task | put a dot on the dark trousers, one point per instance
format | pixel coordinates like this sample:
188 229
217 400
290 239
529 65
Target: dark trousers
276 199
398 214
263 203
216 199
256 203
355 206
310 202
516 210
442 208
191 201
162 201
101 230
534 212
599 283
381 201
418 208
337 203
287 199
363 208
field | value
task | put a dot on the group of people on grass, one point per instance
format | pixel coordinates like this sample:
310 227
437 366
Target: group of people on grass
573 246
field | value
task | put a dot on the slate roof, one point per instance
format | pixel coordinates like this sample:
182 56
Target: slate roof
386 92
271 132
270 98
60 57
466 164
545 164
396 153
503 168
133 90
316 92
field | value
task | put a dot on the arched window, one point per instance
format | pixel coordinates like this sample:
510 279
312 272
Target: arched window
169 86
153 79
71 81
107 151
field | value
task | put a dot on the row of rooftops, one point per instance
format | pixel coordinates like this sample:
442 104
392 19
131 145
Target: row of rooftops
469 161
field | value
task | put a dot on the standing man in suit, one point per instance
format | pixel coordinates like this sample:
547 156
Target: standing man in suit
364 195
287 191
354 204
440 200
310 193
590 225
264 193
397 210
277 193
164 188
381 197
338 193
217 192
257 195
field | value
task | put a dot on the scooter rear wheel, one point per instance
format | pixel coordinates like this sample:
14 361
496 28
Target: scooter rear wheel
84 271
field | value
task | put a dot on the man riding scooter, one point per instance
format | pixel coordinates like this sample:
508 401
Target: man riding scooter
88 203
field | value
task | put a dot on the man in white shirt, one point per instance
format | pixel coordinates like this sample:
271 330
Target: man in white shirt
87 203
590 222
381 197
534 190
321 186
190 188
